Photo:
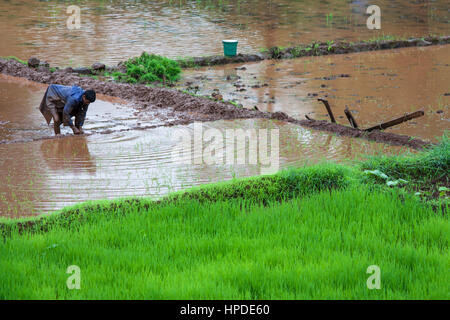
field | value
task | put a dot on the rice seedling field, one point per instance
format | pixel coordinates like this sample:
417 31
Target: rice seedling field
305 233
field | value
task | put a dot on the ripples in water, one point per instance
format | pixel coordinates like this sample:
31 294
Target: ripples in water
46 175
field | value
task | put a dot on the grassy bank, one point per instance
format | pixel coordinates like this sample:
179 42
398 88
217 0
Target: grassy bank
304 233
426 174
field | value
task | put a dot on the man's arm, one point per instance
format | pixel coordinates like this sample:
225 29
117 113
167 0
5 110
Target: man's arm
68 109
71 104
80 117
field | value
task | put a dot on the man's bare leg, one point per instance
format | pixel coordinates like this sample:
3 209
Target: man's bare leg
80 129
57 123
75 130
56 127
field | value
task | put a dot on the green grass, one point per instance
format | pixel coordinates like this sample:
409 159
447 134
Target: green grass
425 166
305 233
16 59
282 186
314 247
425 172
314 48
149 68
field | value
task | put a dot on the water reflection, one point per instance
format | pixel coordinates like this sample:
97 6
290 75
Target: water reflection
68 154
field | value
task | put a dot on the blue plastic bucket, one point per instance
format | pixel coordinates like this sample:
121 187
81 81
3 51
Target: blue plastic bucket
230 47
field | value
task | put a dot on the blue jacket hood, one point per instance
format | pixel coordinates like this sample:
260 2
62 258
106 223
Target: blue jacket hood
77 93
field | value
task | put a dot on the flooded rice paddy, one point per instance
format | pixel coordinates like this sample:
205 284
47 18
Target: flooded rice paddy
376 87
45 175
41 174
48 174
112 31
117 161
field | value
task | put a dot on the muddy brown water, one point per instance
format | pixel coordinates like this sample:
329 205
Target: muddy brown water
42 176
115 30
49 174
376 87
115 160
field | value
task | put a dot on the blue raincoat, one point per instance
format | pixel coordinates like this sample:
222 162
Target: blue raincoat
66 100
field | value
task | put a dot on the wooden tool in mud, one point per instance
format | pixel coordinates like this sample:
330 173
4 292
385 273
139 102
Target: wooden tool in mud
330 113
381 126
350 118
391 123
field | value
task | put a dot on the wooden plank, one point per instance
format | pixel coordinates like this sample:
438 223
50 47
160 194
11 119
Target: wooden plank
397 121
330 113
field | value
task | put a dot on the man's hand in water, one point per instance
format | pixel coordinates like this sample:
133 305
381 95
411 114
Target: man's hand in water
75 130
80 129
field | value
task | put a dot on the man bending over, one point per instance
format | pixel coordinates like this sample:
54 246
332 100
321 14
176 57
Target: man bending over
61 103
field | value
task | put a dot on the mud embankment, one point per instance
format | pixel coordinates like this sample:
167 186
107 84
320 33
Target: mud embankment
173 107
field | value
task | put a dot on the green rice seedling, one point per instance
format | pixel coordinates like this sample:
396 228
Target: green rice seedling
149 68
304 233
317 246
329 18
330 44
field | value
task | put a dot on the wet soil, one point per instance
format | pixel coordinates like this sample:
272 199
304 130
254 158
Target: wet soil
173 107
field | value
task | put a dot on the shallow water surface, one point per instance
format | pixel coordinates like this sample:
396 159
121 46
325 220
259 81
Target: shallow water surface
376 86
112 31
45 175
